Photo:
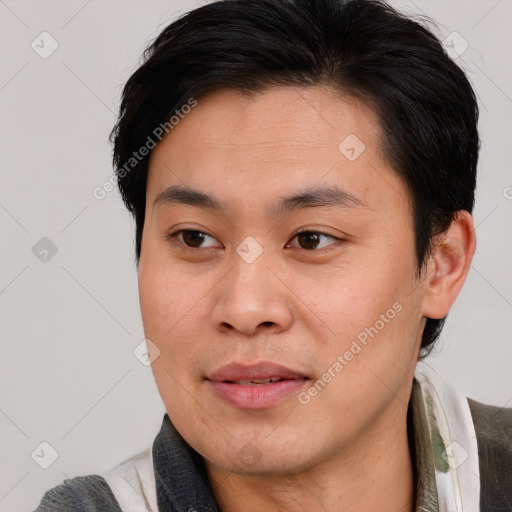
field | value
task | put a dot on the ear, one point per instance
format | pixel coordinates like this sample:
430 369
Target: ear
448 266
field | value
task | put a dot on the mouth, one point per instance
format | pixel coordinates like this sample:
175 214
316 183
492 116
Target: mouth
256 382
257 386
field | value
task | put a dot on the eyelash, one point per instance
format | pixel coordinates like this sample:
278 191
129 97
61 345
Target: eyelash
173 237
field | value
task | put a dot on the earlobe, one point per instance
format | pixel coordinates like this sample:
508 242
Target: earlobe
448 266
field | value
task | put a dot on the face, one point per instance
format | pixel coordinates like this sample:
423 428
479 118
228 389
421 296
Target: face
278 244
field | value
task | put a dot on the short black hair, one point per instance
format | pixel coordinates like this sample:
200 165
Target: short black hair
427 109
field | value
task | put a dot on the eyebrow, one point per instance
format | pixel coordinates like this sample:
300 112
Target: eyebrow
319 196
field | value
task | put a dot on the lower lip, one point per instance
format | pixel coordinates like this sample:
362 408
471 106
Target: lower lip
258 396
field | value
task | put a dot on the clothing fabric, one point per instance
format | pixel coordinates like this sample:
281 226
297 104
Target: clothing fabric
462 453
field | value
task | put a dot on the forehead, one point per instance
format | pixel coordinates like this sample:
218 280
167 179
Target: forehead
276 120
278 139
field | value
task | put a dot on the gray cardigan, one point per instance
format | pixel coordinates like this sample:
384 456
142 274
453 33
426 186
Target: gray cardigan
182 484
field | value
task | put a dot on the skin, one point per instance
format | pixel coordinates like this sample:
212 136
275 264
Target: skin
298 304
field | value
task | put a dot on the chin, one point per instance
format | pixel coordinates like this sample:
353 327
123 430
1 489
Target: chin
263 466
252 458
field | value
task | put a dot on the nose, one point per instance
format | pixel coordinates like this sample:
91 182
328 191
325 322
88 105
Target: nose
253 299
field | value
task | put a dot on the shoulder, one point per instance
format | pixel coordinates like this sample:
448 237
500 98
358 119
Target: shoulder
493 429
493 425
89 493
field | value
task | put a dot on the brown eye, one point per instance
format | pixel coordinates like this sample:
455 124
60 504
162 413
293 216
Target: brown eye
311 240
193 239
308 240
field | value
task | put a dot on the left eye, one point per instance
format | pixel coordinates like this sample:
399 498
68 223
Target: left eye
311 240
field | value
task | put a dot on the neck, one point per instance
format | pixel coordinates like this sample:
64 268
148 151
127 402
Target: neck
375 473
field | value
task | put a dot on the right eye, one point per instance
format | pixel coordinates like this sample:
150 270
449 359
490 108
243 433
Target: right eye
192 239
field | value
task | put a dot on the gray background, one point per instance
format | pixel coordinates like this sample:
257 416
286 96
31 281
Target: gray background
69 325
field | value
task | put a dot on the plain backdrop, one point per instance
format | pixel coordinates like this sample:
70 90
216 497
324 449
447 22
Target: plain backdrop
70 316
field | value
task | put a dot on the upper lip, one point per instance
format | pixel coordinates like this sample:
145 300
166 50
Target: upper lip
237 371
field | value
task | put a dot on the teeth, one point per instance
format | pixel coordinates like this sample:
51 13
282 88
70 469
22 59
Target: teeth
261 381
254 382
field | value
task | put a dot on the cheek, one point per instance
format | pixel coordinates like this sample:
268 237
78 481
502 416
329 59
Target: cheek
159 303
173 314
371 311
169 322
165 293
351 297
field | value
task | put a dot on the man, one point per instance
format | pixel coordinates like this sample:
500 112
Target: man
302 177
